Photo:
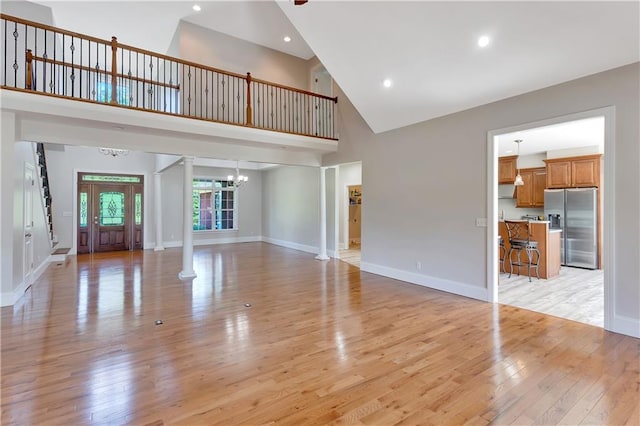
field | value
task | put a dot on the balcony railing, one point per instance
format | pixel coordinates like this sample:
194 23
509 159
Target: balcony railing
55 62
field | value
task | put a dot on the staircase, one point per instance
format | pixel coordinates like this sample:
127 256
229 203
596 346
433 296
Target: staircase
58 254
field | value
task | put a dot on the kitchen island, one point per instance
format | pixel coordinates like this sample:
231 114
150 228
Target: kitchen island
548 244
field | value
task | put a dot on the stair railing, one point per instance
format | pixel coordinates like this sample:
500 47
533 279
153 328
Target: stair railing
56 62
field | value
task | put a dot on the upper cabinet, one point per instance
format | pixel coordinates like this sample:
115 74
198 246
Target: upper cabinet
574 172
531 194
507 169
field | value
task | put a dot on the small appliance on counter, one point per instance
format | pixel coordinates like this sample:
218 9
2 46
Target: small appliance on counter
530 217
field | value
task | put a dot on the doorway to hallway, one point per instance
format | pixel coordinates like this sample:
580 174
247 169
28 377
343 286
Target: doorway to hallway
109 214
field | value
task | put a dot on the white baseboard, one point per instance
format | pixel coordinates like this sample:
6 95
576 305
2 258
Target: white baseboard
212 241
454 287
10 298
626 325
291 245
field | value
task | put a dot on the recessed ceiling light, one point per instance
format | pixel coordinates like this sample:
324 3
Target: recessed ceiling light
387 83
287 39
509 151
484 41
197 8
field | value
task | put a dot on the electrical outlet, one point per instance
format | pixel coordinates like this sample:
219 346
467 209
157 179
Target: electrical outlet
481 222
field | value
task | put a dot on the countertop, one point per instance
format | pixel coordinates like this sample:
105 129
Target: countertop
553 231
532 221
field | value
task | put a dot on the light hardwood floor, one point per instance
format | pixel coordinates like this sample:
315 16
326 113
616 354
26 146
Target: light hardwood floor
320 343
576 294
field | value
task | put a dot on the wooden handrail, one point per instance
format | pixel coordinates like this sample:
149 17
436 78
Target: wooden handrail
286 119
162 56
54 29
293 89
100 71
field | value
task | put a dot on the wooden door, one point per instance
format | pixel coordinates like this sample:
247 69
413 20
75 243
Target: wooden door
110 212
558 174
524 193
111 217
507 169
586 172
539 185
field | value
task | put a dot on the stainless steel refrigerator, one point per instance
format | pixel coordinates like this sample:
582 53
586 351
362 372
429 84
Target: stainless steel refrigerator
575 212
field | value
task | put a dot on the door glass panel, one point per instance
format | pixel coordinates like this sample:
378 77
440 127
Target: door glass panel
83 210
108 178
111 208
138 209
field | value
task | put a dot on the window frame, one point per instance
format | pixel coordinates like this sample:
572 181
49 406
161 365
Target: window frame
232 189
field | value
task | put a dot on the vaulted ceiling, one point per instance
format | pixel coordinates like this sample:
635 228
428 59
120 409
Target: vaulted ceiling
428 50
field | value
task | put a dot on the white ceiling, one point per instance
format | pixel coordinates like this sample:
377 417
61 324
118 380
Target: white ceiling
570 135
427 48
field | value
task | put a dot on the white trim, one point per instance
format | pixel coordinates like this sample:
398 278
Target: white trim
146 211
291 245
10 299
626 325
449 286
608 205
228 240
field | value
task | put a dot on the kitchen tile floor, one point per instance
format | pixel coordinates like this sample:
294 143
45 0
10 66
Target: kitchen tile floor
351 256
576 294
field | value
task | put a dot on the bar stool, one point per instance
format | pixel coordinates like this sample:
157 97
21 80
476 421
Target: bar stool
520 240
503 252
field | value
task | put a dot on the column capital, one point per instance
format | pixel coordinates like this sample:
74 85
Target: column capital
188 158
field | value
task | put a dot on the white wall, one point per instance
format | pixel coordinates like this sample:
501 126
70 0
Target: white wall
291 207
7 171
207 47
35 12
442 167
63 166
12 250
249 197
25 154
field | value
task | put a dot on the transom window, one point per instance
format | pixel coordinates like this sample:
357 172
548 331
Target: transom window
214 205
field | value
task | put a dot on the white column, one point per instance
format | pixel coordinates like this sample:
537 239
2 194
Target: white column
157 195
187 272
336 212
322 254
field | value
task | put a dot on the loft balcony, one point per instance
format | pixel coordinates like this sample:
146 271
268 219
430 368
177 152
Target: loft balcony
105 78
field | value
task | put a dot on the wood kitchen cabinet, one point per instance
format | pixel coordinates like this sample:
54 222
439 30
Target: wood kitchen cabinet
531 194
574 172
507 169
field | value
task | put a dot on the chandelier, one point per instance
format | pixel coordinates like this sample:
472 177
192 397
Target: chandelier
238 179
114 152
518 181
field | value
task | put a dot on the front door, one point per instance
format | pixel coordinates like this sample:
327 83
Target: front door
111 210
109 213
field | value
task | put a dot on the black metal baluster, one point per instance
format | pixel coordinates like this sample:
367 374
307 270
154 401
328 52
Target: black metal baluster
34 80
5 52
15 55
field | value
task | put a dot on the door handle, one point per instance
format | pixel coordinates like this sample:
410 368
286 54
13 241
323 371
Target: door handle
28 235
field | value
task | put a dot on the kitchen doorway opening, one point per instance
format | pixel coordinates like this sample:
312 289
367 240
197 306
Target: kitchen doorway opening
351 196
571 156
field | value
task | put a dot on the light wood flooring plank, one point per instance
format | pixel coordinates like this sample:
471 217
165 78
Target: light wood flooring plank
321 343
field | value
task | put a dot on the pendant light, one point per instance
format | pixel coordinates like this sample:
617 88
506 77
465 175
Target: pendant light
518 181
238 179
